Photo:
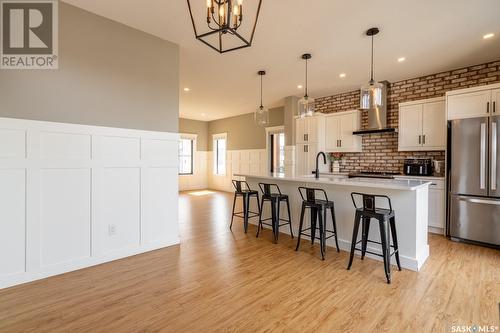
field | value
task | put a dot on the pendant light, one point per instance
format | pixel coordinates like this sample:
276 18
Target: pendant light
306 103
261 115
371 94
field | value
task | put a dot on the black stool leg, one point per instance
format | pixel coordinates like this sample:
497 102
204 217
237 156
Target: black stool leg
232 216
366 232
324 229
277 222
261 208
357 219
383 240
321 234
314 217
300 225
273 217
332 210
289 216
246 203
392 221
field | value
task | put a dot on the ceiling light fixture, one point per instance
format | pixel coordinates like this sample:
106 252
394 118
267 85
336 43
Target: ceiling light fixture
488 36
223 18
306 104
187 89
299 86
261 115
401 59
342 75
371 93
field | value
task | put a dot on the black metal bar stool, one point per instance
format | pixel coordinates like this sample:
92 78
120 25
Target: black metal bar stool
242 189
275 199
319 209
387 225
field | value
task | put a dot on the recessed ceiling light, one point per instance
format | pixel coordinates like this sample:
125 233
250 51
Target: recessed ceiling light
299 86
401 59
487 36
342 75
187 89
203 115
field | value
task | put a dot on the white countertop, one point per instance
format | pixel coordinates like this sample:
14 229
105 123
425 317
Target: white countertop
393 184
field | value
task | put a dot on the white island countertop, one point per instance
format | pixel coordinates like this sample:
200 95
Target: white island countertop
390 184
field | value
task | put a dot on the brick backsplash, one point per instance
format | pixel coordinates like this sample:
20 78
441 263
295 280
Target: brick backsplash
380 151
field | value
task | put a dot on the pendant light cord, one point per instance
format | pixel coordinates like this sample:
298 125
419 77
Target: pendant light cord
371 68
306 80
261 91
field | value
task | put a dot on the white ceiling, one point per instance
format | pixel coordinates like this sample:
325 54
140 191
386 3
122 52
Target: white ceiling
432 35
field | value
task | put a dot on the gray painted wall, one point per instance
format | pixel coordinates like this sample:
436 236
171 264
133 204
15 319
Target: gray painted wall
242 133
195 127
109 75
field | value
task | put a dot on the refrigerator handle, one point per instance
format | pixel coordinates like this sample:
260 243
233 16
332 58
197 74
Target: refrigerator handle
481 201
494 155
482 159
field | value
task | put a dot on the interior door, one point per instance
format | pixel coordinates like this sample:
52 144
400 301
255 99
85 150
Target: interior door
469 156
494 167
332 133
434 125
410 127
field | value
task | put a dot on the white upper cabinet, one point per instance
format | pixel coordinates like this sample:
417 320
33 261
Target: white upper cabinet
481 101
410 126
434 125
309 129
338 132
422 125
495 99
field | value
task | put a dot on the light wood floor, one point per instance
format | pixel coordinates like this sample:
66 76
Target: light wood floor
222 281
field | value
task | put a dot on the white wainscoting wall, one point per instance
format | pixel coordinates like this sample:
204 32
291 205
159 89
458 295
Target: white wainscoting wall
73 196
252 161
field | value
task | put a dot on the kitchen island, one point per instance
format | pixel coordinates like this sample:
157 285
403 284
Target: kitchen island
409 201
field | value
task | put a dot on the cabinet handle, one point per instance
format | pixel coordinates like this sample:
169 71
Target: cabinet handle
487 107
340 143
419 139
304 137
307 137
494 107
423 139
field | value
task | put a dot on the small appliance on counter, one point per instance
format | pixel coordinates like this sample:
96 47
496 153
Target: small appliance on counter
417 167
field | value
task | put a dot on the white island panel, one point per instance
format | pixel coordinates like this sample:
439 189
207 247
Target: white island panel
409 200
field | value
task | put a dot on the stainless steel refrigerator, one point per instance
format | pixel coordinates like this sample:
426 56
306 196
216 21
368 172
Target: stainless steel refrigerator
474 206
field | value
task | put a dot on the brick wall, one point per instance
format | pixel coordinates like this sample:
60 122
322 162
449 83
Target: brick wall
380 151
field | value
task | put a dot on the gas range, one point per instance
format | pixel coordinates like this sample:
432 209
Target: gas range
373 174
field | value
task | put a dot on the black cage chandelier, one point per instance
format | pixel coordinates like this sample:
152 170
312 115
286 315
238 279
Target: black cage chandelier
222 20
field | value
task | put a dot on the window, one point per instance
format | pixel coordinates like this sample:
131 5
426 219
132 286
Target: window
186 156
220 154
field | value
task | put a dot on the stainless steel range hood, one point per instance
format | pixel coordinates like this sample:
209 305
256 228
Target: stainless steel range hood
377 114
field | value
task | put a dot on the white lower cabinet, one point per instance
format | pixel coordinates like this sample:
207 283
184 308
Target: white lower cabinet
437 203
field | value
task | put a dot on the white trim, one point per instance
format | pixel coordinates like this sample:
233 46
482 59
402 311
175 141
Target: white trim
189 136
473 89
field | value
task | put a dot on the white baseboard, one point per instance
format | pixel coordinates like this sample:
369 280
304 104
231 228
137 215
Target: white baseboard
83 263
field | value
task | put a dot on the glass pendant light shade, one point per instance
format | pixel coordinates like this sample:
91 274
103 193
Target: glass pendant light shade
371 96
306 107
261 116
306 103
